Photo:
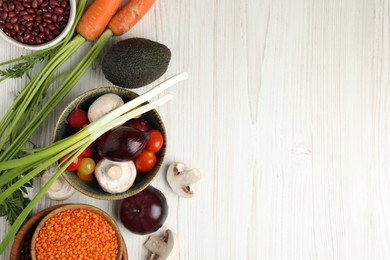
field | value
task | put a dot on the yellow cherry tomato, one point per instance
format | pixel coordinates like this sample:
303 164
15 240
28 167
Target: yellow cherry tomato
87 166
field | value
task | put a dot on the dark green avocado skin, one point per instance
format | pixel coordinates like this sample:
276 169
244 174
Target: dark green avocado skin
135 62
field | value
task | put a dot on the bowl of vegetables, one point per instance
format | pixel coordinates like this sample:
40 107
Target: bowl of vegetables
75 230
120 162
36 24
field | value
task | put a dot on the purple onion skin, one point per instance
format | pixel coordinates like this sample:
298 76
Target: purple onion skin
123 144
144 212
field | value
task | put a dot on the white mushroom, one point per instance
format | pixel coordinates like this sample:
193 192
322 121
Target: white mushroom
164 247
115 177
102 105
60 190
182 180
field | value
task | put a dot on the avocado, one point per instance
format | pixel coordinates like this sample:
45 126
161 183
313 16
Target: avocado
135 62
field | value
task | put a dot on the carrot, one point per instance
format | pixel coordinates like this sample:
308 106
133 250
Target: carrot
96 18
129 15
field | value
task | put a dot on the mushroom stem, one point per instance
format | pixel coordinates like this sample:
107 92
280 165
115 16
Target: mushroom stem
115 172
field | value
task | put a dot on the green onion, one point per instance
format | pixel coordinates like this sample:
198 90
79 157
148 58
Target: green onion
73 145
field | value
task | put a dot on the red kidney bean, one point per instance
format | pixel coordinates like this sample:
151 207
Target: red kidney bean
27 5
2 26
38 40
47 15
23 13
14 20
27 36
28 17
9 25
34 4
59 10
7 31
20 38
1 3
39 12
16 27
29 25
11 6
11 14
19 7
41 29
54 18
51 27
47 31
5 7
30 10
4 15
48 20
60 18
54 3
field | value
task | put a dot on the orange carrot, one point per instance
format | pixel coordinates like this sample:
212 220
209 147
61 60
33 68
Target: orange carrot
96 18
129 15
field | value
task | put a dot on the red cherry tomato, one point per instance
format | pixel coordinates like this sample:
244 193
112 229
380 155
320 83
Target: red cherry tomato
74 165
145 161
88 152
155 142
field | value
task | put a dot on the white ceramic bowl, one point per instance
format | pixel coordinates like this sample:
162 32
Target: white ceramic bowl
48 44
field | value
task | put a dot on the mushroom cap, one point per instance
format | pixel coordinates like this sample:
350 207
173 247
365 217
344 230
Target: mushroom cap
103 105
60 190
115 177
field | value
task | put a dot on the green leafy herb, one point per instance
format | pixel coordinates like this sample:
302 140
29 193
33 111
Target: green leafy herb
27 63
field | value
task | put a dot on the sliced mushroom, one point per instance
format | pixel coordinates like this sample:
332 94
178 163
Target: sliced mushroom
115 177
60 190
164 247
182 180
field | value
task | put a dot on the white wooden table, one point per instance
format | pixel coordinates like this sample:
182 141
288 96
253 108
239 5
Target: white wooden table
286 113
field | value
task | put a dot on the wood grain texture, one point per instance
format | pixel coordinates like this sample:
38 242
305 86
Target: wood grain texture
286 113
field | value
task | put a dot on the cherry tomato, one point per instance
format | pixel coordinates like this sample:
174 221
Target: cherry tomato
74 165
155 142
87 166
77 118
145 161
88 152
83 177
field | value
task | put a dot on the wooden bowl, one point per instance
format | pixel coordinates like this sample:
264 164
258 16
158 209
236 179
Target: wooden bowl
73 207
22 242
92 188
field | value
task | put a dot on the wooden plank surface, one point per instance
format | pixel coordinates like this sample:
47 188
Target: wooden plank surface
286 113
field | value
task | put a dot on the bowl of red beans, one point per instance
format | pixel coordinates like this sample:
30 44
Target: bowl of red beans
36 24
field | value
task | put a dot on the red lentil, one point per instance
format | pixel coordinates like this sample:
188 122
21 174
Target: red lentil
76 234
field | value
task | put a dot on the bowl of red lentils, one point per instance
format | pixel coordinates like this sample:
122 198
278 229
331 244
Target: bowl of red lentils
77 231
36 24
